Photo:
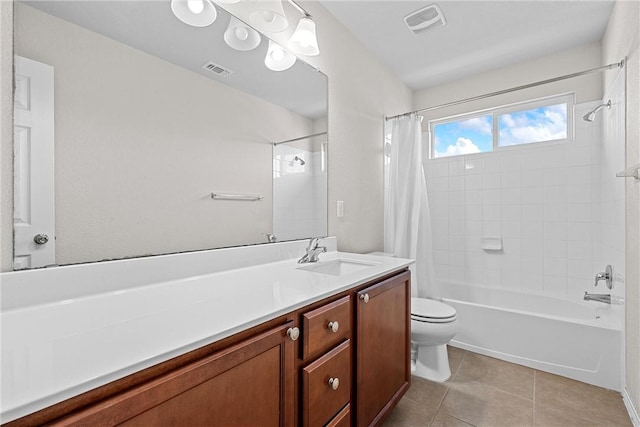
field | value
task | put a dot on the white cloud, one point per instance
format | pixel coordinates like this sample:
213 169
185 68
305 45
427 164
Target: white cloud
478 124
507 120
522 128
462 146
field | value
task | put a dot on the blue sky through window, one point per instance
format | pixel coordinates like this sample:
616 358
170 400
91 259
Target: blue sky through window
473 135
535 125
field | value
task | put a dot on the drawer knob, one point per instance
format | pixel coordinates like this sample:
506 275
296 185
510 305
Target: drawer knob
333 326
365 298
293 333
334 383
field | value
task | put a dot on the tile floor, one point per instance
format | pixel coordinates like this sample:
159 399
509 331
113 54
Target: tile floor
484 391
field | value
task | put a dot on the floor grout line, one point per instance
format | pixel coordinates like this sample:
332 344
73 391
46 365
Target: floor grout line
448 387
547 410
533 416
452 379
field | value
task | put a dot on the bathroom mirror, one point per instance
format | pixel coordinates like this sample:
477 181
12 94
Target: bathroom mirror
148 117
300 187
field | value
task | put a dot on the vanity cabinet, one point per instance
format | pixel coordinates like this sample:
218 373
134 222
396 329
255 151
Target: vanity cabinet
341 361
325 326
248 384
326 381
326 386
383 332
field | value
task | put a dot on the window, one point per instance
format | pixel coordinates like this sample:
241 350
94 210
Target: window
543 120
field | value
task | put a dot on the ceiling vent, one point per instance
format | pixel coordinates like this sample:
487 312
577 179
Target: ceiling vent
421 20
217 69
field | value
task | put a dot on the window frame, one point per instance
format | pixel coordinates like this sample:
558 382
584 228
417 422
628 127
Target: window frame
496 112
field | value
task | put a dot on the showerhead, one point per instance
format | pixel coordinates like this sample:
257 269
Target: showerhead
298 159
591 115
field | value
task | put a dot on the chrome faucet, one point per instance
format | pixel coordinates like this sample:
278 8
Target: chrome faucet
271 238
607 276
313 251
605 298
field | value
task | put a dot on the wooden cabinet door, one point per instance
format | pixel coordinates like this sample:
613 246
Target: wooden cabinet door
320 401
248 384
382 347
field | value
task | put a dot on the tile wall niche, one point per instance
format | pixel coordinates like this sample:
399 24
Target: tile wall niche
543 200
299 194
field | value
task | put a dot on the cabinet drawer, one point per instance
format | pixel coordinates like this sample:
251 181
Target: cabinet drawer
321 400
318 326
343 419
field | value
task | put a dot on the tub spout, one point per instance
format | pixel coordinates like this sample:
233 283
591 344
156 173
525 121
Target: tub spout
605 298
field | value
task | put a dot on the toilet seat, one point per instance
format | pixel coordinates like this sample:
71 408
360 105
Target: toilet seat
431 311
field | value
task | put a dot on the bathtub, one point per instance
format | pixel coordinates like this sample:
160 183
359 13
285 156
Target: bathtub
576 339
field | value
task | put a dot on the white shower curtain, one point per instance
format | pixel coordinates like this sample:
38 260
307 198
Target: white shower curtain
407 221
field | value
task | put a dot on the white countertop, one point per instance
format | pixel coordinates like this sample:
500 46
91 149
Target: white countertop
56 350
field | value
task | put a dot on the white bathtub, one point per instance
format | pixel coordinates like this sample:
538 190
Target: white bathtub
576 339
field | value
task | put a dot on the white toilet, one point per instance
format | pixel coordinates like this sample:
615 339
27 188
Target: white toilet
433 325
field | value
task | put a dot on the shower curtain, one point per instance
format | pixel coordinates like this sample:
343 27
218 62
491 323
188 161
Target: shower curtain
407 221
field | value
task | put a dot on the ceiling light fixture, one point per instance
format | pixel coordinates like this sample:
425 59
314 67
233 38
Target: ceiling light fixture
197 13
304 40
240 36
268 16
277 58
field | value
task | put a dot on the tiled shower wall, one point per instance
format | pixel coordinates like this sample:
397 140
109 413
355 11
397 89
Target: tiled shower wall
609 244
544 202
299 194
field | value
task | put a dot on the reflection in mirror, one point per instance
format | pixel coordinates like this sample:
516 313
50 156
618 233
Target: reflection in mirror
143 133
300 187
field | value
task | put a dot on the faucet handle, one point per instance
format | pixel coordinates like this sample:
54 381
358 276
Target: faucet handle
313 243
607 276
271 238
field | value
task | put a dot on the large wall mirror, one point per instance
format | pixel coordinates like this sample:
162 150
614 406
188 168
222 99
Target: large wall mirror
127 120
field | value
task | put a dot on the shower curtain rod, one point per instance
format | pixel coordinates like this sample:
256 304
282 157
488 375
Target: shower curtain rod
300 138
513 89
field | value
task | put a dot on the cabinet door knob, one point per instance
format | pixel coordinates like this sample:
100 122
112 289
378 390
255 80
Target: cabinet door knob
293 333
333 326
365 298
334 383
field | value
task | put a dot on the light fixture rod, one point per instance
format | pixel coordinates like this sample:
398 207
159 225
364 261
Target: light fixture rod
300 9
513 89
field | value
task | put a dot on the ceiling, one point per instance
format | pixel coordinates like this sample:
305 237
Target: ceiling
479 35
151 27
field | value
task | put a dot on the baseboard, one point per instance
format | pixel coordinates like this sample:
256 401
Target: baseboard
633 412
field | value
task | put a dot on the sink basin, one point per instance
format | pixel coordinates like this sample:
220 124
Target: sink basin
338 267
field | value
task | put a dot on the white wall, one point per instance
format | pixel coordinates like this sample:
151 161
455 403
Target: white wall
587 88
6 136
361 93
622 38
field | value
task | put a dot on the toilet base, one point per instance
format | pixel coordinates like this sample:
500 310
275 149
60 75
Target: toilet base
432 363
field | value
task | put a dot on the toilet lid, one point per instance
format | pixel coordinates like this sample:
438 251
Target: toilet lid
425 309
